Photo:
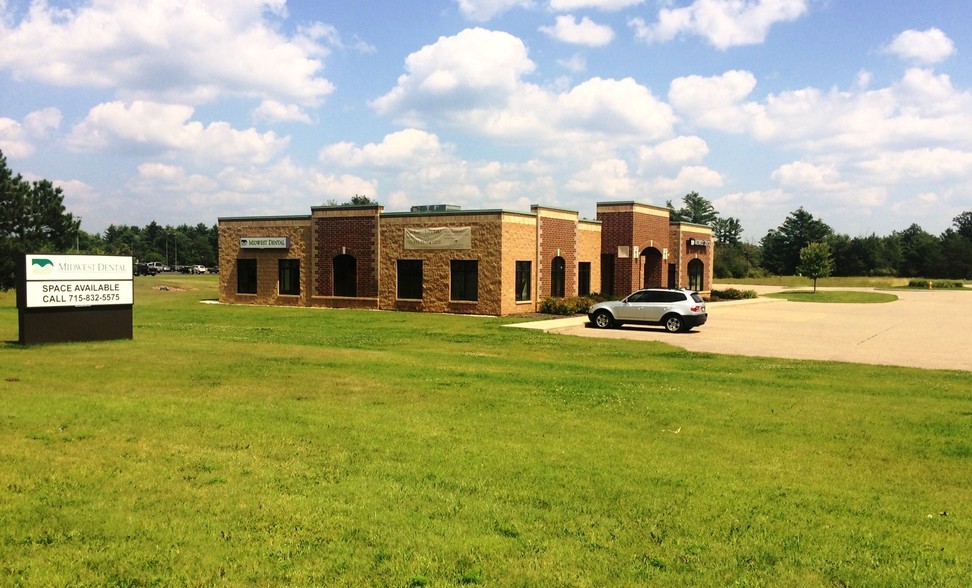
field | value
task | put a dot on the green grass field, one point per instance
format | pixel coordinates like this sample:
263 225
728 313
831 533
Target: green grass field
232 445
834 296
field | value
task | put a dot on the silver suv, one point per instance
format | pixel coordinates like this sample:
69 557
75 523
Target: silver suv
676 310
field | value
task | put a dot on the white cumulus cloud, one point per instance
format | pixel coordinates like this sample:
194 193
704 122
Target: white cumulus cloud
925 47
723 23
196 51
584 32
151 127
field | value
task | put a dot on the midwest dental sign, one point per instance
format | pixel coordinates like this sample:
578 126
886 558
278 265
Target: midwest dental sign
77 281
264 242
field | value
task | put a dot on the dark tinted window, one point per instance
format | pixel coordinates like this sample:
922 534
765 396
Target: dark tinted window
465 279
410 279
246 276
289 272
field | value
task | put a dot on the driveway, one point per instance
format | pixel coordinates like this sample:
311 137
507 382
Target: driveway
921 329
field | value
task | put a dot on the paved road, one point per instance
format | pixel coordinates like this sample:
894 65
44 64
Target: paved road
921 329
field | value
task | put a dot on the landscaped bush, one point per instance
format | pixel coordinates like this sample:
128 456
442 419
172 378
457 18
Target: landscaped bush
732 294
935 284
567 306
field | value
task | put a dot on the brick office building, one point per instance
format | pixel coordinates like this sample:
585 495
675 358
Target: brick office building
442 259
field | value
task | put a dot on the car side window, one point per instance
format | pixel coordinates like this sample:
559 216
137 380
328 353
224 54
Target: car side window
653 296
676 296
637 297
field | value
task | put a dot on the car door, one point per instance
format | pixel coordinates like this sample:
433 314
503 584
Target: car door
667 301
654 306
631 308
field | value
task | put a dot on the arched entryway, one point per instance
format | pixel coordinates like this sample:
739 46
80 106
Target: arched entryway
345 276
653 276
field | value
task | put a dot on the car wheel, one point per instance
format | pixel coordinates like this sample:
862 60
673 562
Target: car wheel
603 319
674 323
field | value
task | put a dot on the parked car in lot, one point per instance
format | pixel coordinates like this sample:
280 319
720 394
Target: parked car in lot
197 269
145 269
676 310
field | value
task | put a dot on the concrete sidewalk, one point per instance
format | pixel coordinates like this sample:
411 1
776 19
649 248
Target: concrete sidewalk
922 329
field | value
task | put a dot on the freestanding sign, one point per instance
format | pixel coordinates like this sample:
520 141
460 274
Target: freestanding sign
74 298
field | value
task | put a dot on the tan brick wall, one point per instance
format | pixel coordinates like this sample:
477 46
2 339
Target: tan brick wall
486 230
519 244
230 232
589 249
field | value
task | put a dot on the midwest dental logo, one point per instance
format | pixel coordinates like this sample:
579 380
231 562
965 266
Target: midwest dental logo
41 267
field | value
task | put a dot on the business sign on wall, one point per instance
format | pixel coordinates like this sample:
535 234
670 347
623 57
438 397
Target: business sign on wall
439 238
74 298
264 242
77 280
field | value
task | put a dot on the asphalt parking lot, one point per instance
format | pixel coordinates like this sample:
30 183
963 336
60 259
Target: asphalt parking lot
925 329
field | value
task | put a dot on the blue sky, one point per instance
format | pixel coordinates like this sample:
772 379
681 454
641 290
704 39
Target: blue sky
180 112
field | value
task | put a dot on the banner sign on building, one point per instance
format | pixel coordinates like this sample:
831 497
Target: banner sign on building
264 242
698 243
439 238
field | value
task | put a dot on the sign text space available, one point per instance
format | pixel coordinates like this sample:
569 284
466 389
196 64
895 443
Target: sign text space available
79 293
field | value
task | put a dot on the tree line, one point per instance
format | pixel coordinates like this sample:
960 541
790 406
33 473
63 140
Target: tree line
172 246
33 220
910 253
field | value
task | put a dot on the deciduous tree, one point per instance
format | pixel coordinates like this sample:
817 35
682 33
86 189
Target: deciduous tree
816 262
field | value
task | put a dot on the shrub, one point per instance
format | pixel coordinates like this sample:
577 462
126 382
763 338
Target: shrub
935 284
566 306
732 294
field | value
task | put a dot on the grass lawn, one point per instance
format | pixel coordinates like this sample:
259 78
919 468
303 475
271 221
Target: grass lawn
835 296
233 445
830 282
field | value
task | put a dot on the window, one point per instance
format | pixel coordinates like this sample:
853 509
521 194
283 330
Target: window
523 275
584 278
410 279
695 271
246 276
558 277
290 277
345 276
464 275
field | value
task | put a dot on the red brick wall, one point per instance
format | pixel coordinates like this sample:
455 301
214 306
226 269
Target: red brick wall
357 237
352 231
634 225
557 235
